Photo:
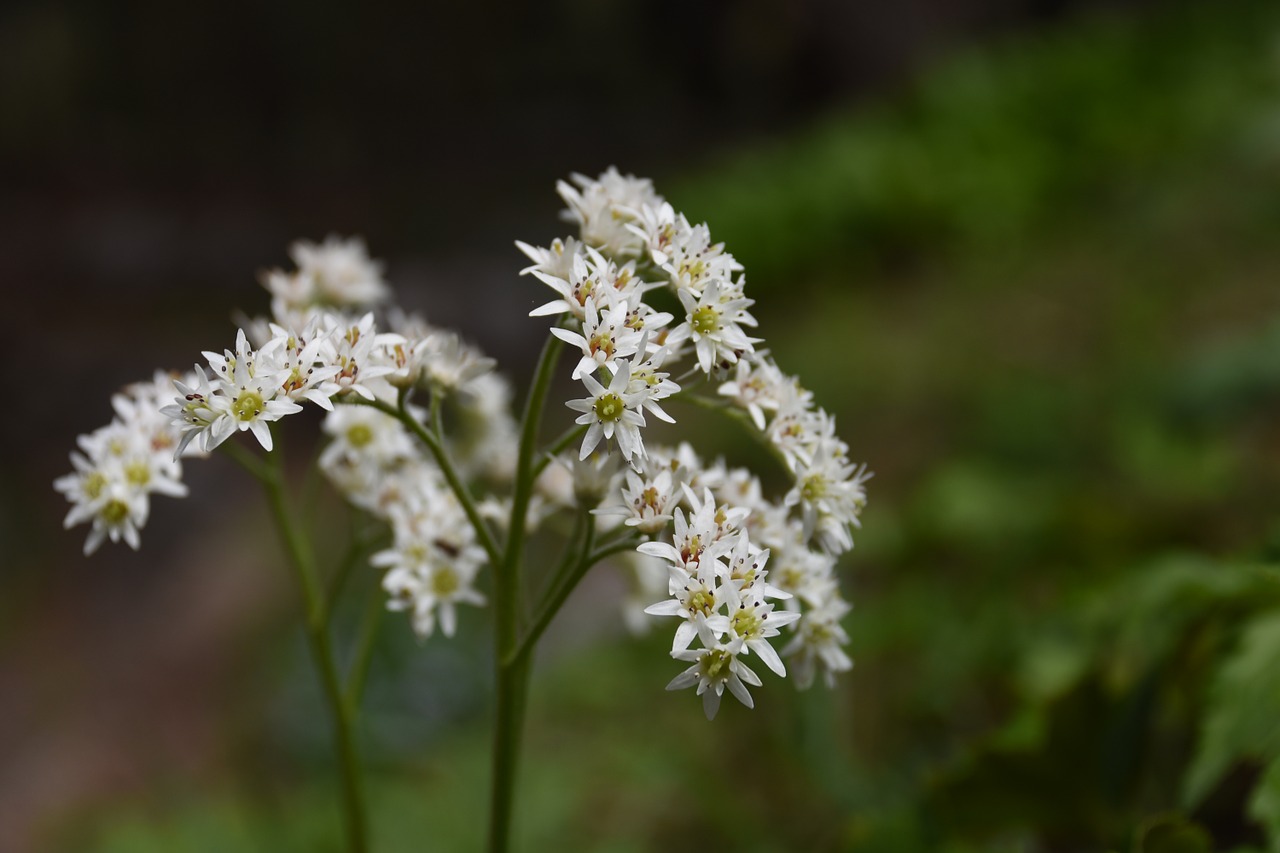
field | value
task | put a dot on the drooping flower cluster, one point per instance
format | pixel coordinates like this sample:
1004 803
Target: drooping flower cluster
709 525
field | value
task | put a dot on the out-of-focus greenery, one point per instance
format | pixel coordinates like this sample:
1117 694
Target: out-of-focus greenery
1040 291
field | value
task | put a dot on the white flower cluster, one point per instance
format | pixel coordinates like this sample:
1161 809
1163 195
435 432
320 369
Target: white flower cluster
639 294
709 526
122 464
321 343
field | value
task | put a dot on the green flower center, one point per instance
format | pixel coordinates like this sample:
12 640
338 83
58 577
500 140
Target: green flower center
93 484
714 665
705 319
703 602
248 405
138 473
359 435
444 581
746 623
115 511
609 407
815 487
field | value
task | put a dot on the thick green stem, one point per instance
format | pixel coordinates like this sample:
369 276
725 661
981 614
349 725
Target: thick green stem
512 676
562 584
316 612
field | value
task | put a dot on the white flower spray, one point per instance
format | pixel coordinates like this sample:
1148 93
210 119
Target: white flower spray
639 295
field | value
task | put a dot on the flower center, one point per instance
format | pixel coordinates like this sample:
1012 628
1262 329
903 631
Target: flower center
359 435
444 581
815 487
93 484
714 665
138 473
746 623
609 407
705 319
702 601
248 405
602 343
115 511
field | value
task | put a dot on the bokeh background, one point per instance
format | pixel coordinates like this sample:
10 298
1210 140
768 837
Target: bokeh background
1025 250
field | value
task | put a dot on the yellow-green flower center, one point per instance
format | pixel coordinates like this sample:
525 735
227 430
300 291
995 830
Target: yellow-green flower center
609 407
705 319
444 581
814 487
714 665
138 473
703 601
115 511
359 435
248 405
746 623
93 484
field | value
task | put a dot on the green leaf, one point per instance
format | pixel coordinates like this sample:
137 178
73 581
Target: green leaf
1264 805
1242 719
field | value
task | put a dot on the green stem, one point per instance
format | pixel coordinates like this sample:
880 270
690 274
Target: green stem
512 676
357 675
610 549
512 689
451 475
563 583
567 438
316 615
738 415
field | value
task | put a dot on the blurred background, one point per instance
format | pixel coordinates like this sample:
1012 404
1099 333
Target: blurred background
1026 250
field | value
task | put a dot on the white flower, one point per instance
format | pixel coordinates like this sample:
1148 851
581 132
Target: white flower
556 261
101 494
297 357
695 597
431 590
693 262
605 336
350 346
646 503
648 379
714 668
831 494
818 644
757 387
603 208
243 395
343 273
612 412
589 274
751 621
448 364
715 326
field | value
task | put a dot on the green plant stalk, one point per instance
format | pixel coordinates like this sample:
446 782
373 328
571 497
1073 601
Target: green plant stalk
451 475
316 623
562 584
512 676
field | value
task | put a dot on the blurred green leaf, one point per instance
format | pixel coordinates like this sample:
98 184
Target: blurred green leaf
1243 715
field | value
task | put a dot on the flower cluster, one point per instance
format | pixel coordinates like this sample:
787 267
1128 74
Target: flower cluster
322 343
640 295
709 533
121 465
